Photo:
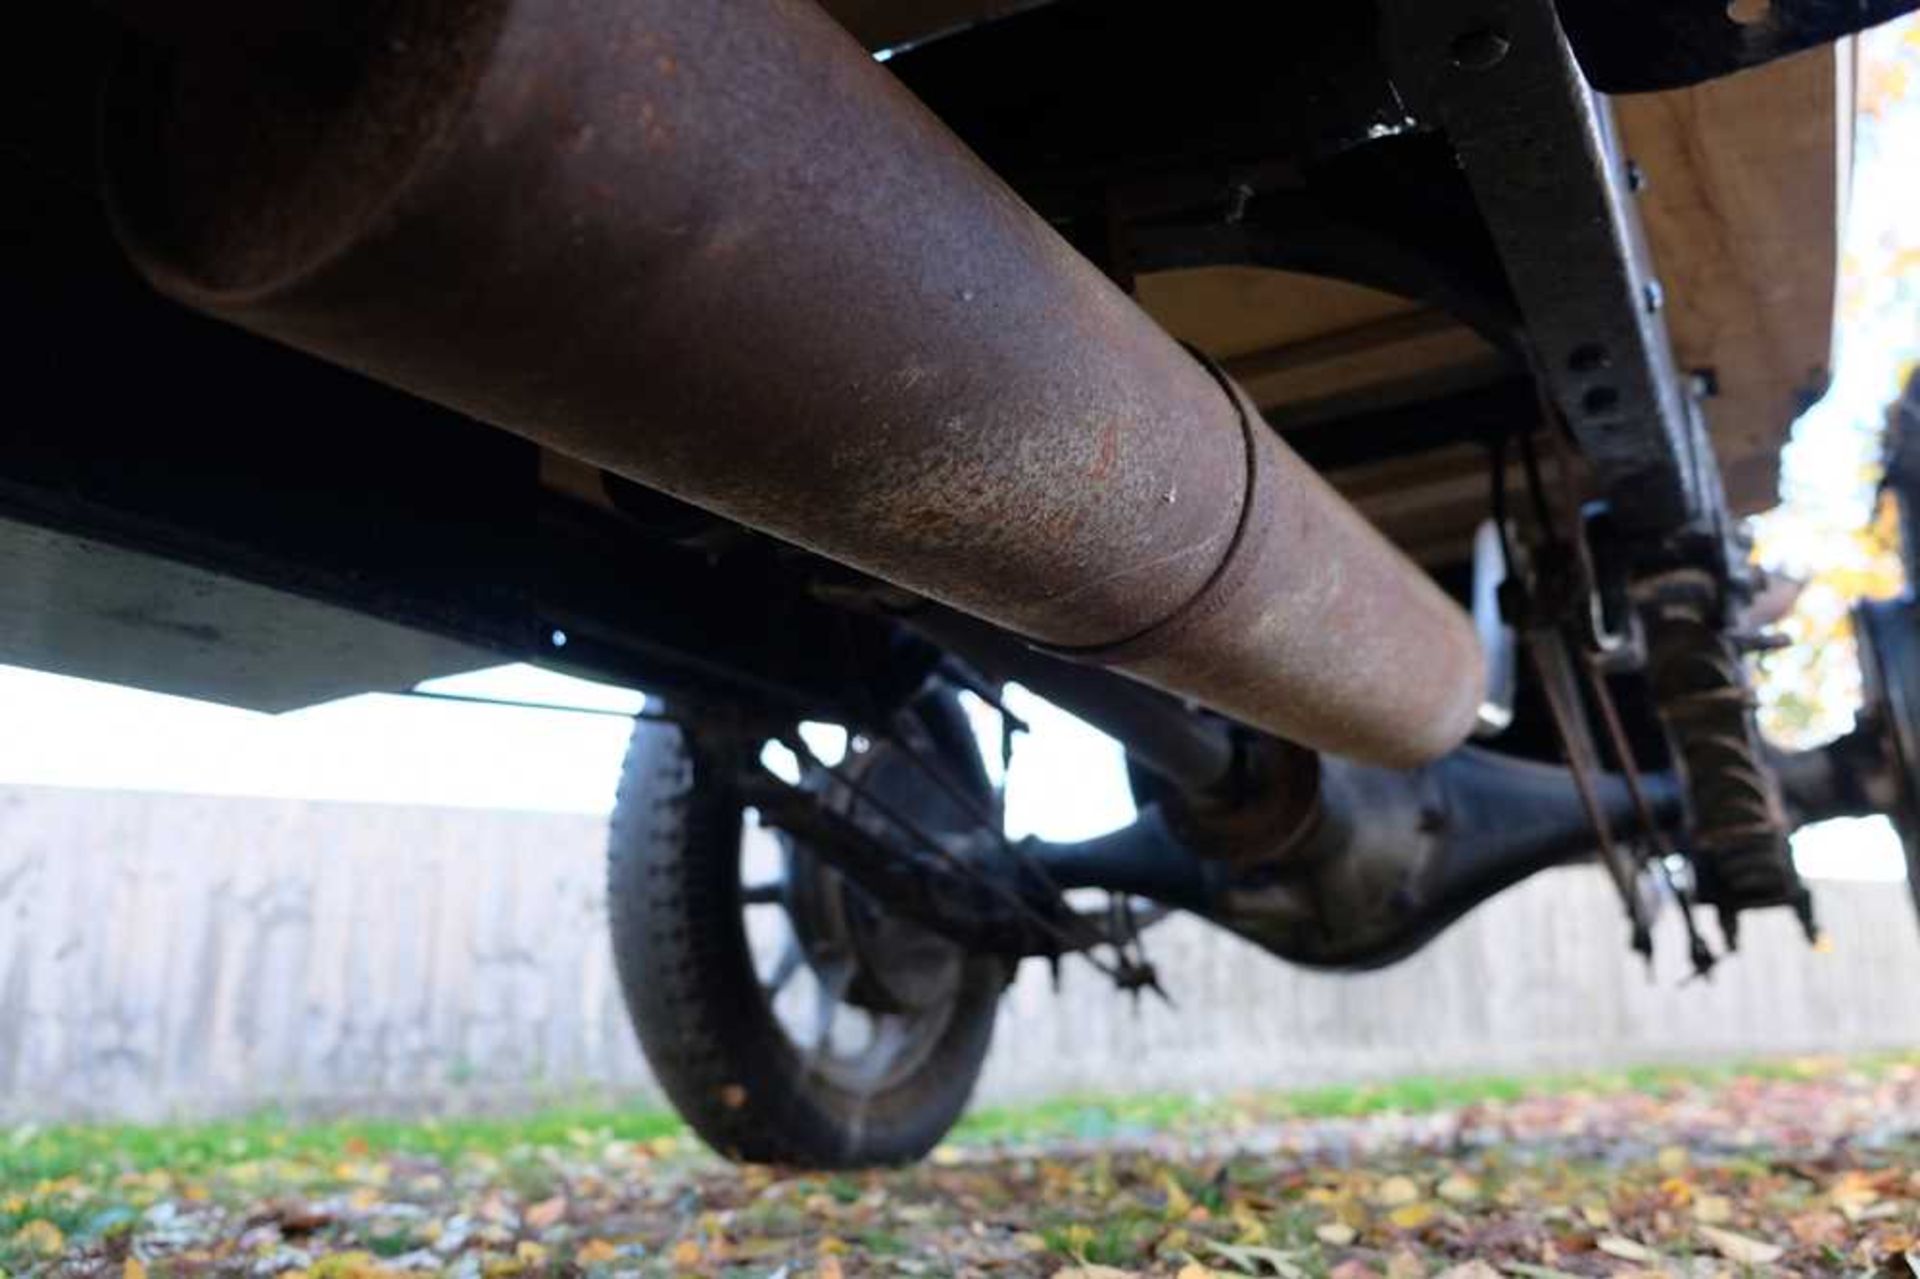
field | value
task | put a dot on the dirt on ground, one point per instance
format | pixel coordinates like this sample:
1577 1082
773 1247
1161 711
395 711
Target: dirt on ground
1811 1174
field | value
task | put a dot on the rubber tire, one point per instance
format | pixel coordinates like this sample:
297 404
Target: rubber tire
681 952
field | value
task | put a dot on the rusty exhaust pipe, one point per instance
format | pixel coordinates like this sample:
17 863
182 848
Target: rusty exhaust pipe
714 248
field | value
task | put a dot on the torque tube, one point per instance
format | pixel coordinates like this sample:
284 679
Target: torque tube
716 249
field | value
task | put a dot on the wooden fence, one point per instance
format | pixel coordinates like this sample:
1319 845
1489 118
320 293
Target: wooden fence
168 955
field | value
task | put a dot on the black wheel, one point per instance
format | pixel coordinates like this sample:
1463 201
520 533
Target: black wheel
788 1018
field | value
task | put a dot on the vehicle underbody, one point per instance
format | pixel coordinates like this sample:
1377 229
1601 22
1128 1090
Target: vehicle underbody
1298 395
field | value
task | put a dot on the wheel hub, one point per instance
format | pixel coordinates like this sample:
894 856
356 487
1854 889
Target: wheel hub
887 964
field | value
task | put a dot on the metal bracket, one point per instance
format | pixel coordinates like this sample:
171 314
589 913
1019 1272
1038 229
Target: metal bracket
1539 150
1633 46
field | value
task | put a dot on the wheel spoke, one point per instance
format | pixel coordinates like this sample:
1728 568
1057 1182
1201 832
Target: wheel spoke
783 968
770 893
830 987
889 1034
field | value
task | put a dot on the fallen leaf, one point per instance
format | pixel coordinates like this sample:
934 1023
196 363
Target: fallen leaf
1818 1228
1740 1248
1179 1203
1249 1229
595 1252
301 1219
1625 1249
1353 1270
685 1254
1405 1265
39 1236
1395 1192
1458 1188
1250 1258
1411 1216
546 1213
1071 1272
1469 1270
829 1267
1672 1159
1713 1210
348 1265
133 1268
1337 1234
1852 1192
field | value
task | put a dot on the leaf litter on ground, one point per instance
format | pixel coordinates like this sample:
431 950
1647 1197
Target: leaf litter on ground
1812 1169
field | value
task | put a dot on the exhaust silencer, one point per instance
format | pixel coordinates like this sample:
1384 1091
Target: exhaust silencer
716 249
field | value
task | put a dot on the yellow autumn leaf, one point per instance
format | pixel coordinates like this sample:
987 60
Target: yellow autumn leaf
1411 1216
686 1254
1179 1203
348 1265
39 1236
133 1268
1713 1210
595 1252
1336 1234
1395 1192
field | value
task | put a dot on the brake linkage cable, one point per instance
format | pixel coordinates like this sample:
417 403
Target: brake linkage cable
1699 954
1067 943
1551 650
1133 971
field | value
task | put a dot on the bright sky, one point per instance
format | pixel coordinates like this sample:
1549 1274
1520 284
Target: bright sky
1068 780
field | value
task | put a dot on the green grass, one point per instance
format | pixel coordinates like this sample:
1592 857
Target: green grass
1096 1117
31 1155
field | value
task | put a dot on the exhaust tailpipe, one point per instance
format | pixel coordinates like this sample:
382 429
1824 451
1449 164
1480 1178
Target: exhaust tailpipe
715 249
